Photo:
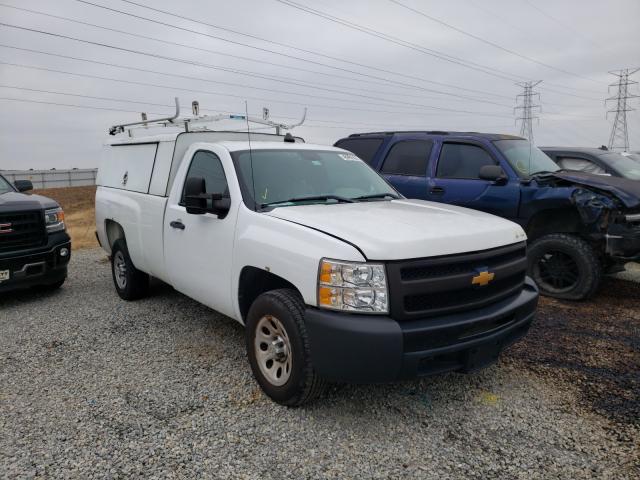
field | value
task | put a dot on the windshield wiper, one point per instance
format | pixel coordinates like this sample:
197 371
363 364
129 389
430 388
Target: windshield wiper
337 198
547 172
377 195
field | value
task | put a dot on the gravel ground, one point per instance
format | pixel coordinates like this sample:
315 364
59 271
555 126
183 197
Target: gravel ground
93 387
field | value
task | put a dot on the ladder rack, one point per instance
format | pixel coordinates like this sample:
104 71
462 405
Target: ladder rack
198 122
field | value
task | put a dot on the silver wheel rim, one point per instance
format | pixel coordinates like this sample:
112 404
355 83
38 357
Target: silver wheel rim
273 350
120 270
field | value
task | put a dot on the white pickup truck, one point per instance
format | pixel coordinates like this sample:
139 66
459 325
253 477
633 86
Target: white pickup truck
334 275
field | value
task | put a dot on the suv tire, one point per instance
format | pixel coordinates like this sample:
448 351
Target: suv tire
278 348
564 266
130 283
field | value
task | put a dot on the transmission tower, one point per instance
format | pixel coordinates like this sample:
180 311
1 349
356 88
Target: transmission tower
619 138
526 108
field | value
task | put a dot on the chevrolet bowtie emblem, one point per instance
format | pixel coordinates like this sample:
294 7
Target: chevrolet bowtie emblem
483 278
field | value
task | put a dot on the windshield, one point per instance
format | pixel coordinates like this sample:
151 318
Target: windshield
5 186
526 159
287 177
627 165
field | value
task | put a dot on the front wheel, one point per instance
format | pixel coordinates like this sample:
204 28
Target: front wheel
564 266
278 348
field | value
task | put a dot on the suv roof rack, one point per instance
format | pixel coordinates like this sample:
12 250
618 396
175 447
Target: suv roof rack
188 123
429 132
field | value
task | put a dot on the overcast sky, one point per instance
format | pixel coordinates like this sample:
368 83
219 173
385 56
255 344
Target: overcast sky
421 75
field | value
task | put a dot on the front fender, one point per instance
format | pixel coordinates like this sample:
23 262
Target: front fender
286 249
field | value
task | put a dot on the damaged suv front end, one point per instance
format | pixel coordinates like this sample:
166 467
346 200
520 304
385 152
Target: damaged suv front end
610 209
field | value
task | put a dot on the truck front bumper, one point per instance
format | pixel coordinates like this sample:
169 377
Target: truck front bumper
373 349
623 242
43 265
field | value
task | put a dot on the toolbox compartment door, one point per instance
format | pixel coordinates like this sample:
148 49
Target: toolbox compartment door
128 167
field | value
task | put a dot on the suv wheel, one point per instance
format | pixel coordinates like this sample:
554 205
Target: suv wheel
130 283
278 348
564 266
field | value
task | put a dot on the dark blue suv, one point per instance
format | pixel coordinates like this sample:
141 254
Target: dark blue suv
579 225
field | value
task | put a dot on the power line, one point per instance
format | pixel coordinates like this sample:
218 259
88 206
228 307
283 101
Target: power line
562 24
619 138
204 65
74 105
354 72
192 47
337 125
570 94
175 75
269 77
234 84
293 47
173 88
488 42
398 41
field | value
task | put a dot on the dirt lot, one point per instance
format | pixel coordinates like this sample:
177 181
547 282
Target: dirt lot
79 209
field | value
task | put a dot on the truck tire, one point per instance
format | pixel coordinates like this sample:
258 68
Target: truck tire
278 348
564 266
130 283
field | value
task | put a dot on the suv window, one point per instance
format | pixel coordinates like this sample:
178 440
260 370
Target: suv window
459 160
207 165
365 148
408 157
580 164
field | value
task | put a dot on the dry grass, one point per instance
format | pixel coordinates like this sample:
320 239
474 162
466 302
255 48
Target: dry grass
79 210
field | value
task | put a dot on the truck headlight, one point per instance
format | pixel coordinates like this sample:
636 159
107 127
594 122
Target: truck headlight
54 219
353 287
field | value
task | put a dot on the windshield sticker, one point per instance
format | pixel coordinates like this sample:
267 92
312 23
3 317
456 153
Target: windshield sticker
348 156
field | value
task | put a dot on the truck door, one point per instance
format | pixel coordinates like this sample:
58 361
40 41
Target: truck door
405 167
455 180
198 247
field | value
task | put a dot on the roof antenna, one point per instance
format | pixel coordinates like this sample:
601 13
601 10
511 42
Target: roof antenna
253 183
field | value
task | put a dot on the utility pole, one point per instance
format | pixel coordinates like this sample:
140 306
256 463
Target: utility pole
527 109
619 138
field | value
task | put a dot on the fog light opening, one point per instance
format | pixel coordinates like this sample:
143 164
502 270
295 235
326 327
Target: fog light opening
64 252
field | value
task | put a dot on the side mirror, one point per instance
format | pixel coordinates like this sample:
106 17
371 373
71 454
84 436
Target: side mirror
493 173
23 185
220 205
195 197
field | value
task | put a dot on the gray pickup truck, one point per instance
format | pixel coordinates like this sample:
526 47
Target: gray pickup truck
34 245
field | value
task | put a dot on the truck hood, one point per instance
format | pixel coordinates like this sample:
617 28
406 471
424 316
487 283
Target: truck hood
14 201
627 191
404 229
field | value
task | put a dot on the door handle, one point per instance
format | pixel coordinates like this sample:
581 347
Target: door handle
177 224
436 190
